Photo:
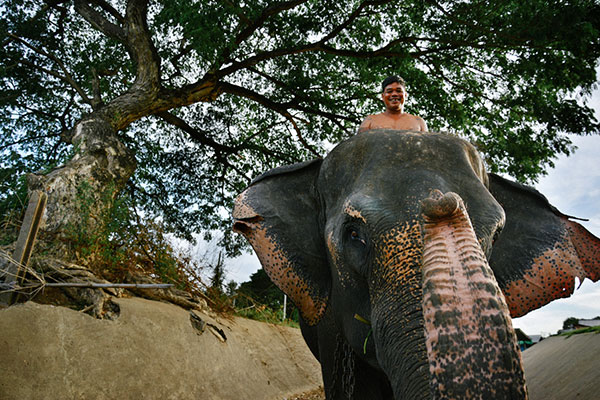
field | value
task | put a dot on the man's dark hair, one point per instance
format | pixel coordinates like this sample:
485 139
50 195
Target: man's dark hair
391 79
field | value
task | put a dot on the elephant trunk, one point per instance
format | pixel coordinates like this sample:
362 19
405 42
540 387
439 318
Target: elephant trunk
471 345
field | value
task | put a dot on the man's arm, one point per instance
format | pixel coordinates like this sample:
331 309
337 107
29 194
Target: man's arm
366 124
422 124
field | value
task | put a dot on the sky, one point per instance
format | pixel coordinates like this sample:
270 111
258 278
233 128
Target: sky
573 186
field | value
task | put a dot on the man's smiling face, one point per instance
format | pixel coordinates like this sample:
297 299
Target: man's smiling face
394 95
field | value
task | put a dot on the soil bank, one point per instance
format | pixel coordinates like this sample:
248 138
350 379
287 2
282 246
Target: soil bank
153 350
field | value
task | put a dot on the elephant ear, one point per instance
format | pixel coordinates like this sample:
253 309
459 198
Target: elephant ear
279 215
540 251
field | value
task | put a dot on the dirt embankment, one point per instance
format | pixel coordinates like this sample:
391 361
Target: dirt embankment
153 350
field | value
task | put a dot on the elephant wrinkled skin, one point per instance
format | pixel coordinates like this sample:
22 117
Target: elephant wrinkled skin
406 261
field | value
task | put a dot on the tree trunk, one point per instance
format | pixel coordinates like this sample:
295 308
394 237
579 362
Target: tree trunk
100 162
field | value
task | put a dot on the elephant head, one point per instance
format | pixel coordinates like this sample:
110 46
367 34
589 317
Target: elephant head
399 248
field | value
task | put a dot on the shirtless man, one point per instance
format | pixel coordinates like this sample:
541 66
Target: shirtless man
394 95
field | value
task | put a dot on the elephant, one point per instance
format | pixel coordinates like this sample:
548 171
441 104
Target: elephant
407 260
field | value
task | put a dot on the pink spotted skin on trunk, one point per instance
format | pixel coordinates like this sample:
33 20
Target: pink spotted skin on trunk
471 345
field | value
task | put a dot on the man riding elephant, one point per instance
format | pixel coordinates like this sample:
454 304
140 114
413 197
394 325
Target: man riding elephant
394 96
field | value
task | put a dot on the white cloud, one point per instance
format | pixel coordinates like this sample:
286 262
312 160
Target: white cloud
240 268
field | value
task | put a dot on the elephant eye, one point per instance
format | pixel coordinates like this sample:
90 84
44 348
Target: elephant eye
354 235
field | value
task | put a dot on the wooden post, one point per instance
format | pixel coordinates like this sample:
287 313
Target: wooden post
15 271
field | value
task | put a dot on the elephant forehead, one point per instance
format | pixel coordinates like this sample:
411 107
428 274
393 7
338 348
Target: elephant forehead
394 147
352 211
393 163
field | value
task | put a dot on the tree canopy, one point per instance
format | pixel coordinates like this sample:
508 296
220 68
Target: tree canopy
261 288
208 94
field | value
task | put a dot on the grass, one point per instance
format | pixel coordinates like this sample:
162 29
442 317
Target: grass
591 329
266 314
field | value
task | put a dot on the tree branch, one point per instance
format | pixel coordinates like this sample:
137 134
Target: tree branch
385 51
239 11
197 135
471 25
141 46
97 94
241 173
267 13
27 139
66 77
355 14
275 9
266 55
109 9
279 108
203 138
252 26
98 21
316 46
478 94
295 102
183 51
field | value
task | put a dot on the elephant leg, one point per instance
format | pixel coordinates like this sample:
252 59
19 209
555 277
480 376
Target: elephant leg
470 342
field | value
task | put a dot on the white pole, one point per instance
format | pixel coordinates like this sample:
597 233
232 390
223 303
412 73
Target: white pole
284 305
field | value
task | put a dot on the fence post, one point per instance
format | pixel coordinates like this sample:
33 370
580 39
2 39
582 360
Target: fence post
33 217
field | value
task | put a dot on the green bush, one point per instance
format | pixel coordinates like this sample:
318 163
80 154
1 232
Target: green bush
115 242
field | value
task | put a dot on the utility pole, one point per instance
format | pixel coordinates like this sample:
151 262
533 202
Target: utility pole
284 305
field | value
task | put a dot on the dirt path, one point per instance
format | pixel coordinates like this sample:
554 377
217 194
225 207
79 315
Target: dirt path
563 368
317 394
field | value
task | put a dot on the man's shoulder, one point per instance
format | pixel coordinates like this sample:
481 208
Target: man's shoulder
367 122
421 122
412 116
374 117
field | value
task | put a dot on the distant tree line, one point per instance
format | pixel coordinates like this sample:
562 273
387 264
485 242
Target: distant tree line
571 322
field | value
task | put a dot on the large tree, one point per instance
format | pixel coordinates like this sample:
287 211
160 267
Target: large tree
182 102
